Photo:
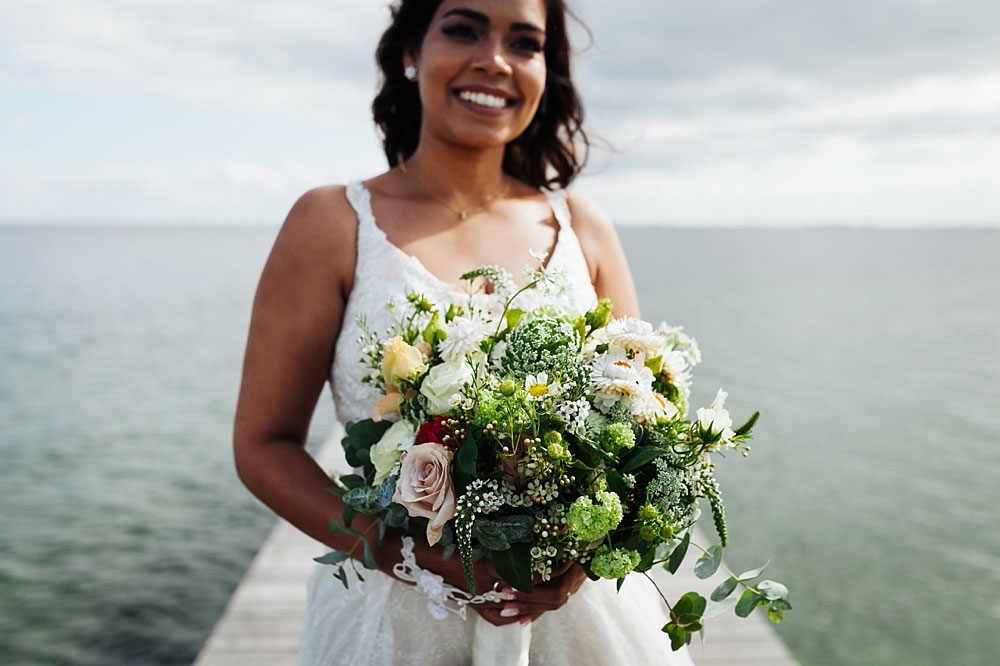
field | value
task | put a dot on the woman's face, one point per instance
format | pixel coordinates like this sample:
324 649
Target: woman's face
481 70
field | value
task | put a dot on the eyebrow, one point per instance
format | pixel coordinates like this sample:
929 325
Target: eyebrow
482 18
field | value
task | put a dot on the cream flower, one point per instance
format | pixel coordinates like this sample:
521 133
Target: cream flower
653 407
616 375
464 335
674 369
386 451
715 418
400 361
445 380
425 486
634 335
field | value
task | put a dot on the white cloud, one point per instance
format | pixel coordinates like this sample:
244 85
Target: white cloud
309 57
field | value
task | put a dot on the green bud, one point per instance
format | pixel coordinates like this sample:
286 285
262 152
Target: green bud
556 451
508 387
552 437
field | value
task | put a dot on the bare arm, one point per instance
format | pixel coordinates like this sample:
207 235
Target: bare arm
606 260
297 314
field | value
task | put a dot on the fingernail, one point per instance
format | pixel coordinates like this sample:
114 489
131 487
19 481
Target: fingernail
525 620
509 612
507 596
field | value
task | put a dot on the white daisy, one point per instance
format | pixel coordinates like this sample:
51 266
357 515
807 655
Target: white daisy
538 386
634 335
617 376
674 368
653 407
464 334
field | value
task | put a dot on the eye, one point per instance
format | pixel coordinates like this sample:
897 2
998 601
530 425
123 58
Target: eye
459 31
528 44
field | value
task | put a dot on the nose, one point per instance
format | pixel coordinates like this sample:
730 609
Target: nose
490 59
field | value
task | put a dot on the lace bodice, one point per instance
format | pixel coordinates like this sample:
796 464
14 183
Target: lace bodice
383 271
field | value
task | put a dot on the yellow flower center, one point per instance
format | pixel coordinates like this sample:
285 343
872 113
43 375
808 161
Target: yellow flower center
536 390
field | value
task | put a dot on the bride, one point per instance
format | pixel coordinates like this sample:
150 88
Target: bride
480 124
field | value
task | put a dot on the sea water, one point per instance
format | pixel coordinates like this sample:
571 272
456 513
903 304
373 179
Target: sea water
872 483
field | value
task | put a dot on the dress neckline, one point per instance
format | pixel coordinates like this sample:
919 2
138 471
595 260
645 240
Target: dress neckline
364 209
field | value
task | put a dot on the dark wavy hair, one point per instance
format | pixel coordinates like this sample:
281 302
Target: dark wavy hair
544 155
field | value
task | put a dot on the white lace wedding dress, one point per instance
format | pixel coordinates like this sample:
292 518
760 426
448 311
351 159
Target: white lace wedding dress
385 622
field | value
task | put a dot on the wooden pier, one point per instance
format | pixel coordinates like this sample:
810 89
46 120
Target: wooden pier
260 626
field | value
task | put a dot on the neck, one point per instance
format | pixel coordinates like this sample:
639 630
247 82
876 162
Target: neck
464 177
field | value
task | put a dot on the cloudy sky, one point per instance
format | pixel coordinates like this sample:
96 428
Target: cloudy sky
748 112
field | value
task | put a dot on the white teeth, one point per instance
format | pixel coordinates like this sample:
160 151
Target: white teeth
482 99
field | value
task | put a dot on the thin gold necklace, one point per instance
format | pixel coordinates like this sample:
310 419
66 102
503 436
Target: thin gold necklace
463 214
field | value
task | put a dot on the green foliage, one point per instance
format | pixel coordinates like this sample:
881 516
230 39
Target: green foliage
636 458
724 589
749 600
708 563
718 509
514 566
678 553
359 438
500 533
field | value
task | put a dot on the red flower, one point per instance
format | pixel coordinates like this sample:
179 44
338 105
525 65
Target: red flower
435 431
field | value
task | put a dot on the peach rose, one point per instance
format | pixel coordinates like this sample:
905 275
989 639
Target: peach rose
424 486
400 360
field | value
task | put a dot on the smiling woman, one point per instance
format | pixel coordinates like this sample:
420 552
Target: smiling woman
481 127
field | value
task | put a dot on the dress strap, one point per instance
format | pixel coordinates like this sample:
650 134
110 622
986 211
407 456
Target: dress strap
361 201
557 200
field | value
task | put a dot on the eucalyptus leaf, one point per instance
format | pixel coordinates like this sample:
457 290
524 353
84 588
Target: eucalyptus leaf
678 553
341 575
396 515
708 563
715 608
724 589
368 558
356 497
359 438
333 557
352 481
337 528
447 551
753 573
490 536
772 590
517 527
347 514
748 601
386 491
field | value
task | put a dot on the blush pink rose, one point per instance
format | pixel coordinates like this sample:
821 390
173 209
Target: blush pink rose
425 488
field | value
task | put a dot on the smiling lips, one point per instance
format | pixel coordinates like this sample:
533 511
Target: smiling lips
484 99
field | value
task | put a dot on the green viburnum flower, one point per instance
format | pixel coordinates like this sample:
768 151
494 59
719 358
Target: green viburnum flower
504 409
613 563
615 437
589 521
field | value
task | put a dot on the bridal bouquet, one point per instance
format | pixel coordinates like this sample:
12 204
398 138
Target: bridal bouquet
533 437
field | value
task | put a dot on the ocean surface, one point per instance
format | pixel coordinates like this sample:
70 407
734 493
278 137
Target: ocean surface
872 486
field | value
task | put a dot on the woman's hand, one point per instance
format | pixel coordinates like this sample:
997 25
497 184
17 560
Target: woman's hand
551 595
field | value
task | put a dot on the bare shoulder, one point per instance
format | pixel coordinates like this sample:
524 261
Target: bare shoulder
592 226
606 261
319 236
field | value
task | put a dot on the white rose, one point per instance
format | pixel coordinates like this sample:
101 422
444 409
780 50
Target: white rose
445 380
386 451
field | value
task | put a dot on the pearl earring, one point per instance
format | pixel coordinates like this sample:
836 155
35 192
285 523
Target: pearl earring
410 72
